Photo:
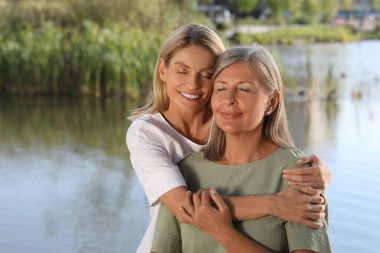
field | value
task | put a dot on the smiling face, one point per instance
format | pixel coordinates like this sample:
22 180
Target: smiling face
239 102
187 78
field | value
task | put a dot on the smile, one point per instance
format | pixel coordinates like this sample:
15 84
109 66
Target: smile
190 96
231 115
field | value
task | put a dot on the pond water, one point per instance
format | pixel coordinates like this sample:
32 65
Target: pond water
66 184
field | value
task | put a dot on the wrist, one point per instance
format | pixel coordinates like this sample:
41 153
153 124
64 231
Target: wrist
271 205
224 235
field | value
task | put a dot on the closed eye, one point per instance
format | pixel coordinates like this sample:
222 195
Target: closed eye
220 88
206 76
244 89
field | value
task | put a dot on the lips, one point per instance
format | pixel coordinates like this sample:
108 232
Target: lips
231 115
189 96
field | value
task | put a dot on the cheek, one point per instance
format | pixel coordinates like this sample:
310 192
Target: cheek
207 86
214 101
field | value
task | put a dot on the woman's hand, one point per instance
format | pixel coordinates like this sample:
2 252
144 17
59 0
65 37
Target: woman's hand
300 204
317 176
207 211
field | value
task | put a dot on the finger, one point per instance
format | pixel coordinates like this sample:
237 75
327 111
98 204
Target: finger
314 216
187 217
298 178
189 203
317 208
317 200
308 159
311 223
298 171
218 200
205 198
196 200
307 189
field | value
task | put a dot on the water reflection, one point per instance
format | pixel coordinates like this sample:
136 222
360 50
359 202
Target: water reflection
65 179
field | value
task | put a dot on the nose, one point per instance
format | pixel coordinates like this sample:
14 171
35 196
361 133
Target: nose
230 97
193 82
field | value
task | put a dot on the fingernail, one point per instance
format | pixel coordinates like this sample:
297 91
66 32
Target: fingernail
213 191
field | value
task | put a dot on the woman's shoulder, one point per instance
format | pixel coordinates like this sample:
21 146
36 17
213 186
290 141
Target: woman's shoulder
151 119
287 156
147 126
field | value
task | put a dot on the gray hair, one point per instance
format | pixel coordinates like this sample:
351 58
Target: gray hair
262 64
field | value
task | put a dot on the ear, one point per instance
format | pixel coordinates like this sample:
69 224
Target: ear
273 101
162 69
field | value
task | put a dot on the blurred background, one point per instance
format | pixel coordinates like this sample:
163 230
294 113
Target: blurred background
71 71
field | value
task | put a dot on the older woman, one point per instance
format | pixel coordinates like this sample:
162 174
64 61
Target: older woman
249 148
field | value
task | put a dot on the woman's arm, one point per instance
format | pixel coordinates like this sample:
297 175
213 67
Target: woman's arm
211 215
216 221
299 204
317 175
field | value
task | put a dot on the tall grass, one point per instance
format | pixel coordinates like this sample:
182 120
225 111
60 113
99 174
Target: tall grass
89 59
100 48
289 35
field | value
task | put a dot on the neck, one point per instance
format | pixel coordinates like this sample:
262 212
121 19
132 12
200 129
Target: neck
247 147
194 125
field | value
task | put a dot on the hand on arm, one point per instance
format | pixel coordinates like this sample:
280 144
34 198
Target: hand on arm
207 211
317 175
300 204
174 199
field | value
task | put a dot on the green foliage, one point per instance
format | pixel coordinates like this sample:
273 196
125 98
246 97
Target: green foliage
277 9
145 14
294 34
346 4
242 6
329 10
303 11
375 4
89 59
96 47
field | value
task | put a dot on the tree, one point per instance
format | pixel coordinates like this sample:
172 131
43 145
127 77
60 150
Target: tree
311 10
242 6
277 9
329 10
375 4
346 4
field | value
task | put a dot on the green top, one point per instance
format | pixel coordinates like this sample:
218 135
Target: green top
260 177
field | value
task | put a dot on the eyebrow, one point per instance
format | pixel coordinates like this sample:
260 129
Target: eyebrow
244 81
181 63
187 66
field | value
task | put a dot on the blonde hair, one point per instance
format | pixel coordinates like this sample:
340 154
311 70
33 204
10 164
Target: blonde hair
261 63
182 37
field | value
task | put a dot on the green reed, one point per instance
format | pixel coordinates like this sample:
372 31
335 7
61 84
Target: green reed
88 59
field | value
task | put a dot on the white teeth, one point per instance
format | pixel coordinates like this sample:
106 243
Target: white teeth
189 95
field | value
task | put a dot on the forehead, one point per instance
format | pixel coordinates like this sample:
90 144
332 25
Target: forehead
240 70
194 56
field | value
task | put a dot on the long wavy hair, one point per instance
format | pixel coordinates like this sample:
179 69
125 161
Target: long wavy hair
182 37
263 66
